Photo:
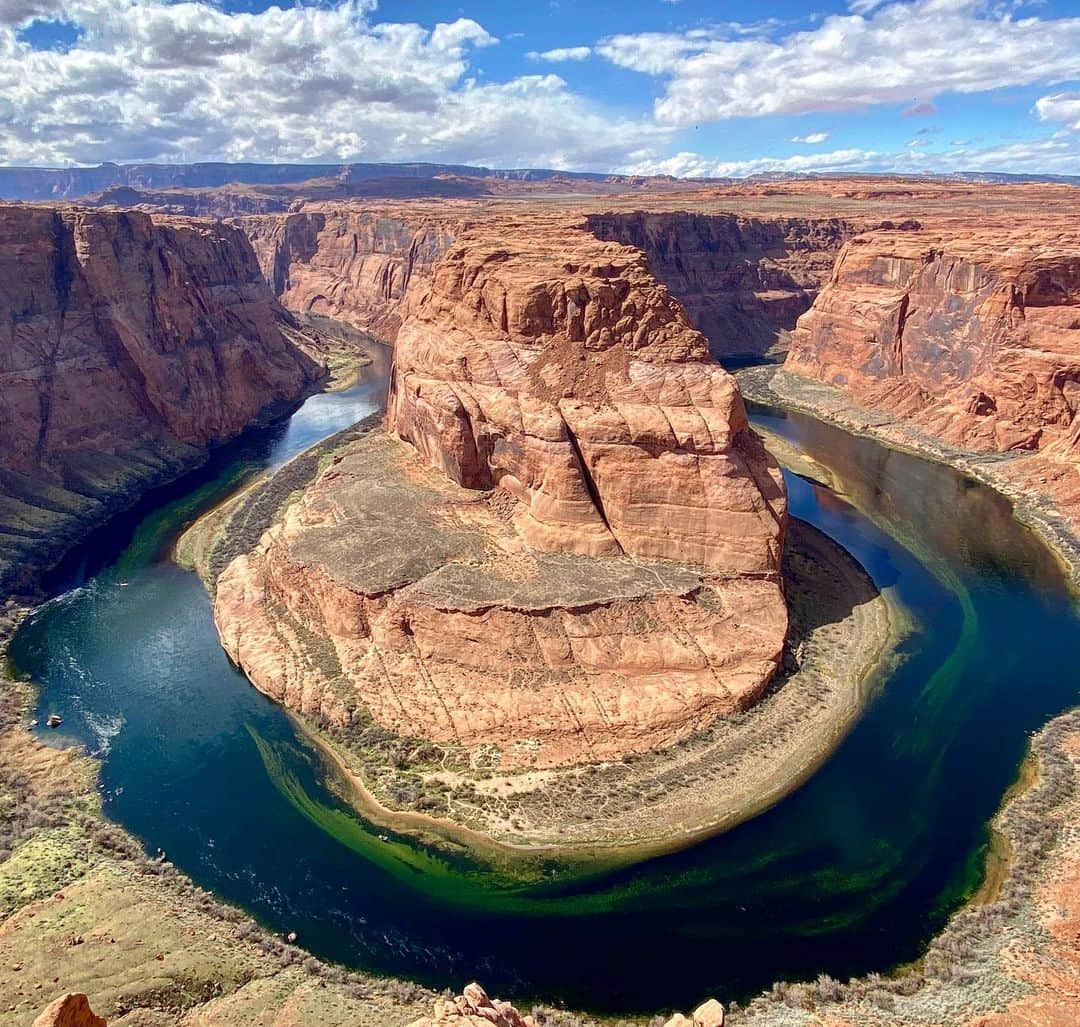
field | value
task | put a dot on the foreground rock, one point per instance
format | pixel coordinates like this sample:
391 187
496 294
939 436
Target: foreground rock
69 1011
473 1008
129 345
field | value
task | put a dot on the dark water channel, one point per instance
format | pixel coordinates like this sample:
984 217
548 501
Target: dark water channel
853 872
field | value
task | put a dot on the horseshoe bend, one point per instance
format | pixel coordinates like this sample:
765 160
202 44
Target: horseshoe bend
551 606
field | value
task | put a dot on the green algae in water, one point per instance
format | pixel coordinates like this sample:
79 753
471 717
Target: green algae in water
854 872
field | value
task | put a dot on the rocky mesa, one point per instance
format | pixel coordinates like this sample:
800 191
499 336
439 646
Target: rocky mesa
128 345
576 555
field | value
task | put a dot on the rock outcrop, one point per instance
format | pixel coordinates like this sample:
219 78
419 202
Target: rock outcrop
559 370
128 345
584 560
71 1010
969 332
473 1008
742 280
366 268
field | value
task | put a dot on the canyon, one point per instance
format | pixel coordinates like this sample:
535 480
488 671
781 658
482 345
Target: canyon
566 549
965 331
564 546
129 345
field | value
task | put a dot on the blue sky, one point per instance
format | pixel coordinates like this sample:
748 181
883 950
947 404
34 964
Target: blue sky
653 86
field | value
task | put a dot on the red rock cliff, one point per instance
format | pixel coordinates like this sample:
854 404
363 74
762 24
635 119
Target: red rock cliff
348 263
973 332
970 332
127 345
554 365
742 280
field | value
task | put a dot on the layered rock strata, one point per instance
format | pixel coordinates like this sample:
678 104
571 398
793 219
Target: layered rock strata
742 280
348 263
970 332
127 346
577 554
389 593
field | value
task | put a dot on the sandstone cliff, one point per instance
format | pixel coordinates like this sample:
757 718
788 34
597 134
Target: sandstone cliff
127 346
584 560
969 331
348 263
742 280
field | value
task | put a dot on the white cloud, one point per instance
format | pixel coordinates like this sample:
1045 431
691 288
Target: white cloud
880 53
811 138
20 12
1058 154
561 53
694 165
1060 107
157 80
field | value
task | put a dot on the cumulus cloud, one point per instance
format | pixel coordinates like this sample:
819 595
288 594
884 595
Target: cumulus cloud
811 138
561 53
156 80
1060 107
20 12
878 53
1058 154
920 110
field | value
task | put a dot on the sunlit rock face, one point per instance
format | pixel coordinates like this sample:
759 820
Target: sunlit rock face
969 331
585 533
128 344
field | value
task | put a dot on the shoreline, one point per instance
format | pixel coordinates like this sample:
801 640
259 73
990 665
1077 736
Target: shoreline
657 802
773 386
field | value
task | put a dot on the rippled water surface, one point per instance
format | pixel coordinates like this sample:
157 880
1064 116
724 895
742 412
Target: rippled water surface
852 873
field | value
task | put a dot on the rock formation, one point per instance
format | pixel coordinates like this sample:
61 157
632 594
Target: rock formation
590 564
128 345
969 333
347 263
71 1010
709 1014
473 1008
742 280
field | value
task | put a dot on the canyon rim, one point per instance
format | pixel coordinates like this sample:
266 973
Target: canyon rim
518 520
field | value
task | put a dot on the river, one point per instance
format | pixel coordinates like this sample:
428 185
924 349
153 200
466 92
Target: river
853 872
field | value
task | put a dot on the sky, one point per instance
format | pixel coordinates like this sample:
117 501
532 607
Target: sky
679 87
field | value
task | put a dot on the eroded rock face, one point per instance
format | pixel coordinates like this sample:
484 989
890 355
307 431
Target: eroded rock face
347 263
973 335
389 592
560 370
127 345
577 554
69 1011
970 333
743 281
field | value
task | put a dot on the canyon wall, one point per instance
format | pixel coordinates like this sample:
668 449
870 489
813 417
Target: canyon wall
357 265
969 332
127 346
586 534
742 280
